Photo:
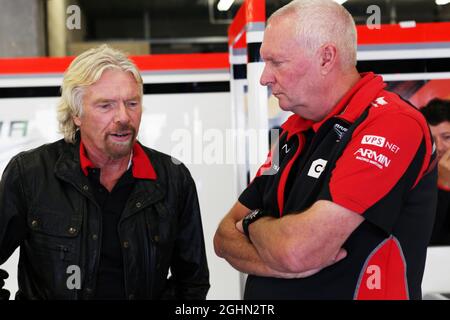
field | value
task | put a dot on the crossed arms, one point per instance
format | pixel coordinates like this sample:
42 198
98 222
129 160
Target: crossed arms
294 246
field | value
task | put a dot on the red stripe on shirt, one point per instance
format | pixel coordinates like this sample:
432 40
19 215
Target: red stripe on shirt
383 276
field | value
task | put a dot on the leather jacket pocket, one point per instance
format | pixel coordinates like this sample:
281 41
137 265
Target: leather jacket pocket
54 223
53 233
51 246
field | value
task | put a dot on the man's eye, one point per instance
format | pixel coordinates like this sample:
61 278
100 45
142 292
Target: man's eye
105 106
276 63
132 103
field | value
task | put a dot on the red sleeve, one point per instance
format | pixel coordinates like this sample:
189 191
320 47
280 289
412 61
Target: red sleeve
377 156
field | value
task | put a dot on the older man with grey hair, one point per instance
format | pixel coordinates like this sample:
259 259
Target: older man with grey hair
347 211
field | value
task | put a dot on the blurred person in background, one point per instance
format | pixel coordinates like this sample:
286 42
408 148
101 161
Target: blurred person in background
437 113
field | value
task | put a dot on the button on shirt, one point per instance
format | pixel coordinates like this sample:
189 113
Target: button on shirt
110 279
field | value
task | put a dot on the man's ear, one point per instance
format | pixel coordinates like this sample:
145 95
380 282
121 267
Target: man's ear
328 58
77 120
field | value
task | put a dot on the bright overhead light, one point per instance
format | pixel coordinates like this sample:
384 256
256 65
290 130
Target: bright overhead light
407 24
442 2
342 1
224 5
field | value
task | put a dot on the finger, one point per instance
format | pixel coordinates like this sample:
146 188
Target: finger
298 275
239 226
342 253
309 273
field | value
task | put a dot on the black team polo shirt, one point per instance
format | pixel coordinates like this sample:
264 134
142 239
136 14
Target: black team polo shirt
372 155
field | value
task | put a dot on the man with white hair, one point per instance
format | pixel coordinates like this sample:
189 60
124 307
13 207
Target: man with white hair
97 215
347 210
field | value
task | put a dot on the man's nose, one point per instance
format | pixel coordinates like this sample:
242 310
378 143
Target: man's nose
266 77
121 115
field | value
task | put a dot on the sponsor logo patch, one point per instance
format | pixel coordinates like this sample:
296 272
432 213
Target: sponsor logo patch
340 130
380 142
286 148
379 102
373 281
317 168
376 158
373 140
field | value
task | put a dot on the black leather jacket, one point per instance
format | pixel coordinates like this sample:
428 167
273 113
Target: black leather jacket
48 209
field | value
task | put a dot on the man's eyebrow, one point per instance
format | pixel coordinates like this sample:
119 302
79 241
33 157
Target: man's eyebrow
103 100
106 100
134 98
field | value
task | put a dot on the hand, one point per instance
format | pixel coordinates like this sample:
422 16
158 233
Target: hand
444 170
4 294
239 226
342 253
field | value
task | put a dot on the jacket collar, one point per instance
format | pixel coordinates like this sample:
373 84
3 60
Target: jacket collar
146 191
349 108
142 168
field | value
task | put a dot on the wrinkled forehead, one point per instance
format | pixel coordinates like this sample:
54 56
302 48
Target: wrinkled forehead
115 83
279 38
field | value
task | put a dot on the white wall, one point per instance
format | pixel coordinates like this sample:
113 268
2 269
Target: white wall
436 278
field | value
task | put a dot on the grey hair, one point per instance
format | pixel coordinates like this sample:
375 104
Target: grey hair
84 71
318 22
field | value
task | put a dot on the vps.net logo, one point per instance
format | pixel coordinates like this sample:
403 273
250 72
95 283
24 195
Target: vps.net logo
317 168
374 140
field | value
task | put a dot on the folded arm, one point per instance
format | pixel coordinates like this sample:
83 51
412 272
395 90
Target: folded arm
307 241
232 245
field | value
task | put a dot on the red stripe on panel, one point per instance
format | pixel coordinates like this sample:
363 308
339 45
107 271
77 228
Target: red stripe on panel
156 62
34 65
256 10
237 25
250 11
395 34
189 61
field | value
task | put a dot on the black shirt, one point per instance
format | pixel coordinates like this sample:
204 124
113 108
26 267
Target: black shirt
441 230
110 275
